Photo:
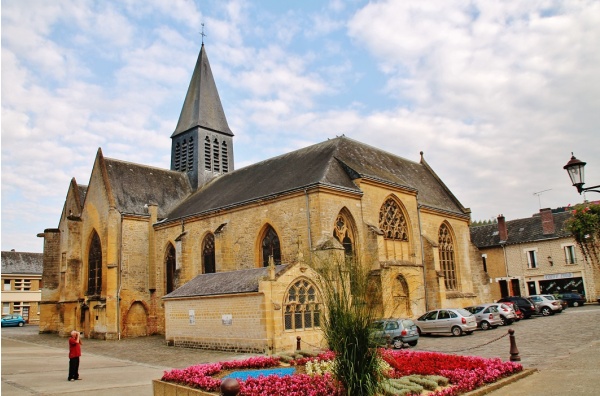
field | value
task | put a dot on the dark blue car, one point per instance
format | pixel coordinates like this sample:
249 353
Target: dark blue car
13 320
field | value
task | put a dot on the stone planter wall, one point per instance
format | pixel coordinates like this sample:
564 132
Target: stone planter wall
162 388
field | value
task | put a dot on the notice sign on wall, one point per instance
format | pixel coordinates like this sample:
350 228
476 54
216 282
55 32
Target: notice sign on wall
192 317
227 319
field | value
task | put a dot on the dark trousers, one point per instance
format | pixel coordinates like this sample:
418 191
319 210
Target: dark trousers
74 368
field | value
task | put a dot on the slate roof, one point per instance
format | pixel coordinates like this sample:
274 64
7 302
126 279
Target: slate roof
229 282
335 163
202 106
22 263
135 185
520 231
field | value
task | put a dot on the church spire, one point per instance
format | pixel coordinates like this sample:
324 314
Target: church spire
202 144
202 106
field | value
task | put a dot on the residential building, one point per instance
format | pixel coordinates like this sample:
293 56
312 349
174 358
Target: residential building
535 255
21 284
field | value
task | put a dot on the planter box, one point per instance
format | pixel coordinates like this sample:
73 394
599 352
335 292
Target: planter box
162 388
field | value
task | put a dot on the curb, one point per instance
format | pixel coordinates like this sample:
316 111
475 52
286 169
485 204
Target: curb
501 383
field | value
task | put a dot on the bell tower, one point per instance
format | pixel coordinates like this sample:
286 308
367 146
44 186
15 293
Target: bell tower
202 144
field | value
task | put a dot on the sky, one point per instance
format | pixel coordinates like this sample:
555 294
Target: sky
496 94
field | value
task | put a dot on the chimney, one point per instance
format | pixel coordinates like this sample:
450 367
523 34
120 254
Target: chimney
547 221
503 232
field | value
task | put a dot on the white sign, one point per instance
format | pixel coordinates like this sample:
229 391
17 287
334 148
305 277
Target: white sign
558 276
192 317
227 319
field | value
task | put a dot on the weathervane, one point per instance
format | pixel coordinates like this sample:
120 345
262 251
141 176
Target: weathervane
202 33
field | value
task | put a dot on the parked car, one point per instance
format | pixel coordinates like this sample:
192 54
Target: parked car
507 314
518 313
455 321
13 320
400 332
486 315
572 299
526 306
546 304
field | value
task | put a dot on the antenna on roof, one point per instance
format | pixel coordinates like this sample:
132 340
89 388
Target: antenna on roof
202 33
539 193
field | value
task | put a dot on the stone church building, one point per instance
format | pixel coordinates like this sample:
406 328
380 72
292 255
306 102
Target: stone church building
215 257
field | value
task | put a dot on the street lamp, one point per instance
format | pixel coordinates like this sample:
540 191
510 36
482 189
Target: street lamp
575 169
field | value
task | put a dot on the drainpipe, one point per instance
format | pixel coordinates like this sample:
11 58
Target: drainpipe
119 283
422 253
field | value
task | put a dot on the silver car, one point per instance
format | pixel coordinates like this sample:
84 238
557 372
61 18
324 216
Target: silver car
507 314
546 304
455 321
397 331
486 315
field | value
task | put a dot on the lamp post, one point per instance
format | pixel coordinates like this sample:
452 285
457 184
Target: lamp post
575 170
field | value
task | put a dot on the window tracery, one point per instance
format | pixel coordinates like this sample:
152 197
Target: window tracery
302 306
270 247
446 252
392 221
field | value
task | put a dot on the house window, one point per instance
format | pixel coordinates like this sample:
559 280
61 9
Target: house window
392 221
22 284
270 247
208 254
484 261
532 261
17 307
190 155
302 307
446 252
95 267
5 308
6 284
570 255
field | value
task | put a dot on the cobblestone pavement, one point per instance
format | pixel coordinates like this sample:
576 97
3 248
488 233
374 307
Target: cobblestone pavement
541 341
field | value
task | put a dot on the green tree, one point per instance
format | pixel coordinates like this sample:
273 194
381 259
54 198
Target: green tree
585 227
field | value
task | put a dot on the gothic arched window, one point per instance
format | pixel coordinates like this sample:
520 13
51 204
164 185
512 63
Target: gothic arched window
392 221
170 268
270 247
302 306
208 254
95 267
343 233
446 249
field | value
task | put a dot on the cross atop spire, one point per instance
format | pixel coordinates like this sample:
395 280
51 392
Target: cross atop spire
202 33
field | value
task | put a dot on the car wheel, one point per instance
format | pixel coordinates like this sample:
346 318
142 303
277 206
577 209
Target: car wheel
484 325
456 331
21 324
397 344
575 304
413 343
503 320
546 311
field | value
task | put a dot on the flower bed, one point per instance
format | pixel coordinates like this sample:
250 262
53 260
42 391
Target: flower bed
413 370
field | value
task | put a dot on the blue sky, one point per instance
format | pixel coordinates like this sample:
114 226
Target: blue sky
496 94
